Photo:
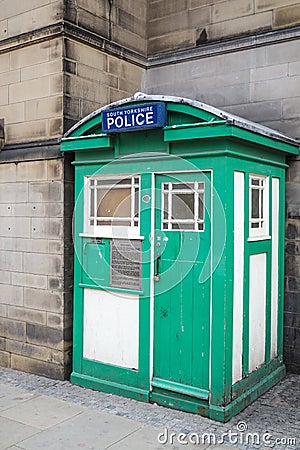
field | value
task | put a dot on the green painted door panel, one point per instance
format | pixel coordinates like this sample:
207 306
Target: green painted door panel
181 301
95 262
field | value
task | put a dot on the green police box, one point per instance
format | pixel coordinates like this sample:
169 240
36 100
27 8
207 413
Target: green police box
179 254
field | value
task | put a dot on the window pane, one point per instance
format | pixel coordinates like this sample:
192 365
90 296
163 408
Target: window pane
178 202
183 206
112 222
113 183
255 204
182 186
114 202
136 202
255 181
183 226
92 201
201 186
166 209
261 203
201 207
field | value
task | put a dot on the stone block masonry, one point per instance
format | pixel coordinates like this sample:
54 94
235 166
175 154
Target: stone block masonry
93 79
35 270
260 84
31 92
292 269
189 23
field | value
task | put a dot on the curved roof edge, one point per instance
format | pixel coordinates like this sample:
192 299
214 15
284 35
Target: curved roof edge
230 118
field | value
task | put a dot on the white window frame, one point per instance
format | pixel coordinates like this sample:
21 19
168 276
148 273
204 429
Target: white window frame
111 230
197 190
262 231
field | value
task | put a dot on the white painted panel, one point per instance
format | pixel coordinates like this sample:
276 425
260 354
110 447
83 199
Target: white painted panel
257 310
111 328
151 365
239 223
274 282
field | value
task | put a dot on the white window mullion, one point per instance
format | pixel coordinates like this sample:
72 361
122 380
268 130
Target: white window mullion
258 226
196 206
102 218
170 206
94 194
188 194
132 202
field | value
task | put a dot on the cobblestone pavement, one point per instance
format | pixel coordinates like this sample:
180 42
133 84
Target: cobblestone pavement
273 421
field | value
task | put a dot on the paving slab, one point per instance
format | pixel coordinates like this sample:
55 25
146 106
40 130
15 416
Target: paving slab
12 432
148 437
42 412
88 430
11 396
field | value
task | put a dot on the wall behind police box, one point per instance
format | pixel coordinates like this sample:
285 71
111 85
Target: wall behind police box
188 23
260 84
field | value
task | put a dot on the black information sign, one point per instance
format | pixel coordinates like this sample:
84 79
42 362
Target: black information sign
126 264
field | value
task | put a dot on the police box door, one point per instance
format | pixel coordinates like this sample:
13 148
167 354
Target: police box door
182 284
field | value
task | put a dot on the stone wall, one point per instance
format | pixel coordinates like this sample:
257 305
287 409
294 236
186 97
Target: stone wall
261 84
188 23
35 267
292 269
20 17
31 96
93 78
122 21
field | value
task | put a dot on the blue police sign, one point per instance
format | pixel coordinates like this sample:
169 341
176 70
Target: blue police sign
130 118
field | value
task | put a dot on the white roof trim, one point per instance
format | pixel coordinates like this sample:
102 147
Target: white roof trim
231 118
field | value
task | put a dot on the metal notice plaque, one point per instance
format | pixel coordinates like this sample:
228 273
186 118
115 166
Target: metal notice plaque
126 264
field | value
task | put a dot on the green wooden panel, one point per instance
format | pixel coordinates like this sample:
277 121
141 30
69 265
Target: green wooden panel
222 288
88 127
215 129
182 314
197 131
187 111
141 142
86 143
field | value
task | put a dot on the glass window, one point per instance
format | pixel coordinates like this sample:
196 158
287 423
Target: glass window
183 206
113 202
258 206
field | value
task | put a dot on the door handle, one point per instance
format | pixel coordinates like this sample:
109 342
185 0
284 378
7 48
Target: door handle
157 267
